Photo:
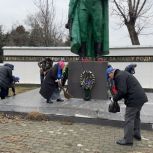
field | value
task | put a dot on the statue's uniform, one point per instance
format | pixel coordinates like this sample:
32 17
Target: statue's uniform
90 21
90 11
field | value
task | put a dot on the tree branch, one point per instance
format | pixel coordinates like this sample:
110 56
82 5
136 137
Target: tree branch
118 7
142 6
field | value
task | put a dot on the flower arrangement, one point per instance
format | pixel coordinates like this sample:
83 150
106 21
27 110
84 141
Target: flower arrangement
87 80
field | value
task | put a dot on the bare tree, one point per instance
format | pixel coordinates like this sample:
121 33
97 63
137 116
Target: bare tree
1 36
45 20
135 15
18 37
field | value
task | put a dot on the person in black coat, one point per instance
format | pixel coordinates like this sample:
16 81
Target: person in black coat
49 87
5 79
131 68
111 86
134 97
45 64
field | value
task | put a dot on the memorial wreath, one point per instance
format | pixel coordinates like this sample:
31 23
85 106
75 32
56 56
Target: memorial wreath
87 81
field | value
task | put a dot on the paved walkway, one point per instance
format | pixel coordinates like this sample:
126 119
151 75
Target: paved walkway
23 136
31 101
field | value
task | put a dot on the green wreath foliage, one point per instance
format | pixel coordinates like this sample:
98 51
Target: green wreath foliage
87 80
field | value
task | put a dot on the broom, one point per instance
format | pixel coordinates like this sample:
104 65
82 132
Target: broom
66 94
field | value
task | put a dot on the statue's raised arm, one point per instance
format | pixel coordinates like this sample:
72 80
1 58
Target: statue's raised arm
71 12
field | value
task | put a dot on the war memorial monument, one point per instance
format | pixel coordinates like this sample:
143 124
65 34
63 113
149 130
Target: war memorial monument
89 35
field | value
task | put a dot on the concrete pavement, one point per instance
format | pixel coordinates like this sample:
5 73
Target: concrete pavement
18 135
32 101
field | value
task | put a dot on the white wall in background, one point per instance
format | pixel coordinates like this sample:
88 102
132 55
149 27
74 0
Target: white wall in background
29 71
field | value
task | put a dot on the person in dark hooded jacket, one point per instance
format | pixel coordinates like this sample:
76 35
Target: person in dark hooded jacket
5 79
45 64
111 86
131 68
131 91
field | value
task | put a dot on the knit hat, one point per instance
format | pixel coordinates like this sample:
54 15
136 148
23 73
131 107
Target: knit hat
61 64
11 66
109 70
16 79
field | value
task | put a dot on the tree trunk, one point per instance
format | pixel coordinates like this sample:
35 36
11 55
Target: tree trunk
133 34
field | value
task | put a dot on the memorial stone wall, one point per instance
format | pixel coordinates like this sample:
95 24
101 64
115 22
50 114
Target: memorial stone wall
25 60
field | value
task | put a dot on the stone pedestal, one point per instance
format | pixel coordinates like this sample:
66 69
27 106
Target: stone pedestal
99 91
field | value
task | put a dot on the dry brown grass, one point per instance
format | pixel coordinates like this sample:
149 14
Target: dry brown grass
67 121
20 89
8 118
36 116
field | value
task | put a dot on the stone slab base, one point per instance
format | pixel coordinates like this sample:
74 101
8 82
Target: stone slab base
76 68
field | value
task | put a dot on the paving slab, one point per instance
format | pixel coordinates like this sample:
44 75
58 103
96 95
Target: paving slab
24 136
32 101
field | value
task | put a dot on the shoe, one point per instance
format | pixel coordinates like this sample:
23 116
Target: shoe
59 100
123 142
49 101
137 137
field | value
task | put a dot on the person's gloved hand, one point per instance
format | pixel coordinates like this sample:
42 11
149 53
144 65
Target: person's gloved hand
17 79
68 24
111 99
58 81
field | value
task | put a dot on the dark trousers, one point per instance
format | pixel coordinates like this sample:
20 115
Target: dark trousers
42 77
132 123
3 92
13 90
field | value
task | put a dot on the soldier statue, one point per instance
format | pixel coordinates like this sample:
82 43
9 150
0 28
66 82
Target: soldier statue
88 26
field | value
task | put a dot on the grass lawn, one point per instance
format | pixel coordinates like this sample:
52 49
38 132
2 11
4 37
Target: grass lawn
22 88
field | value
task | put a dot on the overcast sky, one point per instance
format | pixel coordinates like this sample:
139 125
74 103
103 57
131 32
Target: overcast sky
14 12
